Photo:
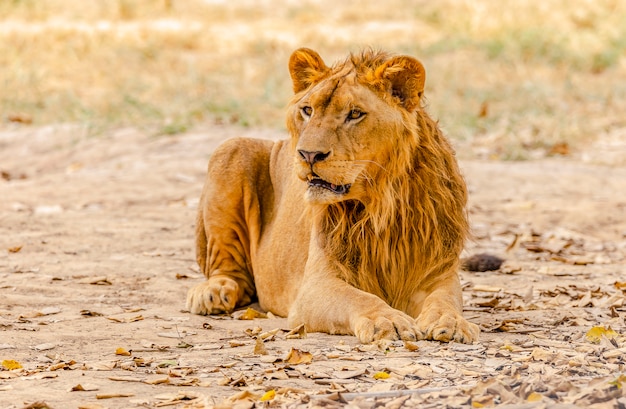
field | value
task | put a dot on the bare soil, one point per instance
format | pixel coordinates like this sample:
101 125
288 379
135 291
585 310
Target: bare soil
96 257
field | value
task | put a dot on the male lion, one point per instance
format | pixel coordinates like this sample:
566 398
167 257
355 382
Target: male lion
355 224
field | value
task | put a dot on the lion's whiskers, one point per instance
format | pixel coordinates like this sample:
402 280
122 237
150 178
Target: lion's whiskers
359 161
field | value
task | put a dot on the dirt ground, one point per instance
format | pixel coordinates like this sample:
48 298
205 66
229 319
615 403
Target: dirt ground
96 256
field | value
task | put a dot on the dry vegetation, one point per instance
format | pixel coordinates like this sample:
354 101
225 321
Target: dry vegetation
511 79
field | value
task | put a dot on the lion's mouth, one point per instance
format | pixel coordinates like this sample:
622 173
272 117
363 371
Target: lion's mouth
316 181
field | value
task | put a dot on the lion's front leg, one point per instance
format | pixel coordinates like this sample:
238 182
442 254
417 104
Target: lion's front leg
220 293
326 303
335 307
441 316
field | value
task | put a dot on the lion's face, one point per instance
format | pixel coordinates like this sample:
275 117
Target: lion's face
344 127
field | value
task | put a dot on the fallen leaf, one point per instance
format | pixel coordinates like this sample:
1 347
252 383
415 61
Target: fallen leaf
620 285
10 364
619 381
595 334
88 313
122 352
62 365
269 395
269 334
298 332
253 332
133 319
157 381
534 397
101 280
259 347
295 357
251 314
411 346
171 399
381 375
83 388
114 395
165 364
102 365
487 288
50 310
15 249
244 395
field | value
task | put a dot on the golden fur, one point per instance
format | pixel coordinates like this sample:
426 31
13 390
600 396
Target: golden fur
356 224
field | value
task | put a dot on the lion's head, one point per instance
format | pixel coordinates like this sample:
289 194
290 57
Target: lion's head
390 198
352 122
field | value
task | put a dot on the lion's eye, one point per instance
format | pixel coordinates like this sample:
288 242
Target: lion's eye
306 111
354 114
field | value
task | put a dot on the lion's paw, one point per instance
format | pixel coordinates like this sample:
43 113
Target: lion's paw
446 326
216 295
392 325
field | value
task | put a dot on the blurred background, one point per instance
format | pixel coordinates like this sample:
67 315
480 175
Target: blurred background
509 79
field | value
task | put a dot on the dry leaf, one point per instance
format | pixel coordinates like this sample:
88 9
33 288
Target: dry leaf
85 388
157 381
122 352
253 332
411 346
295 357
102 365
114 395
487 288
10 364
243 396
133 319
88 313
269 334
269 395
50 311
259 347
298 332
381 375
167 363
595 334
619 381
620 285
15 249
251 314
96 281
534 397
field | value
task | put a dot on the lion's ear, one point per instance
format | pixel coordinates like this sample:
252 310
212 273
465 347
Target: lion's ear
406 77
306 68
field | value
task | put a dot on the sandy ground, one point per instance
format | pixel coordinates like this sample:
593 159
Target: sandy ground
96 256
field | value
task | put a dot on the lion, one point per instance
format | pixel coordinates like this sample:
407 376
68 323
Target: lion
355 224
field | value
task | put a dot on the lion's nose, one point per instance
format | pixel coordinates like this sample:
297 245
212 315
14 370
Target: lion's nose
313 157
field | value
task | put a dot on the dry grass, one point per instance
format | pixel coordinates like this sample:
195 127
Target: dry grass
508 78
